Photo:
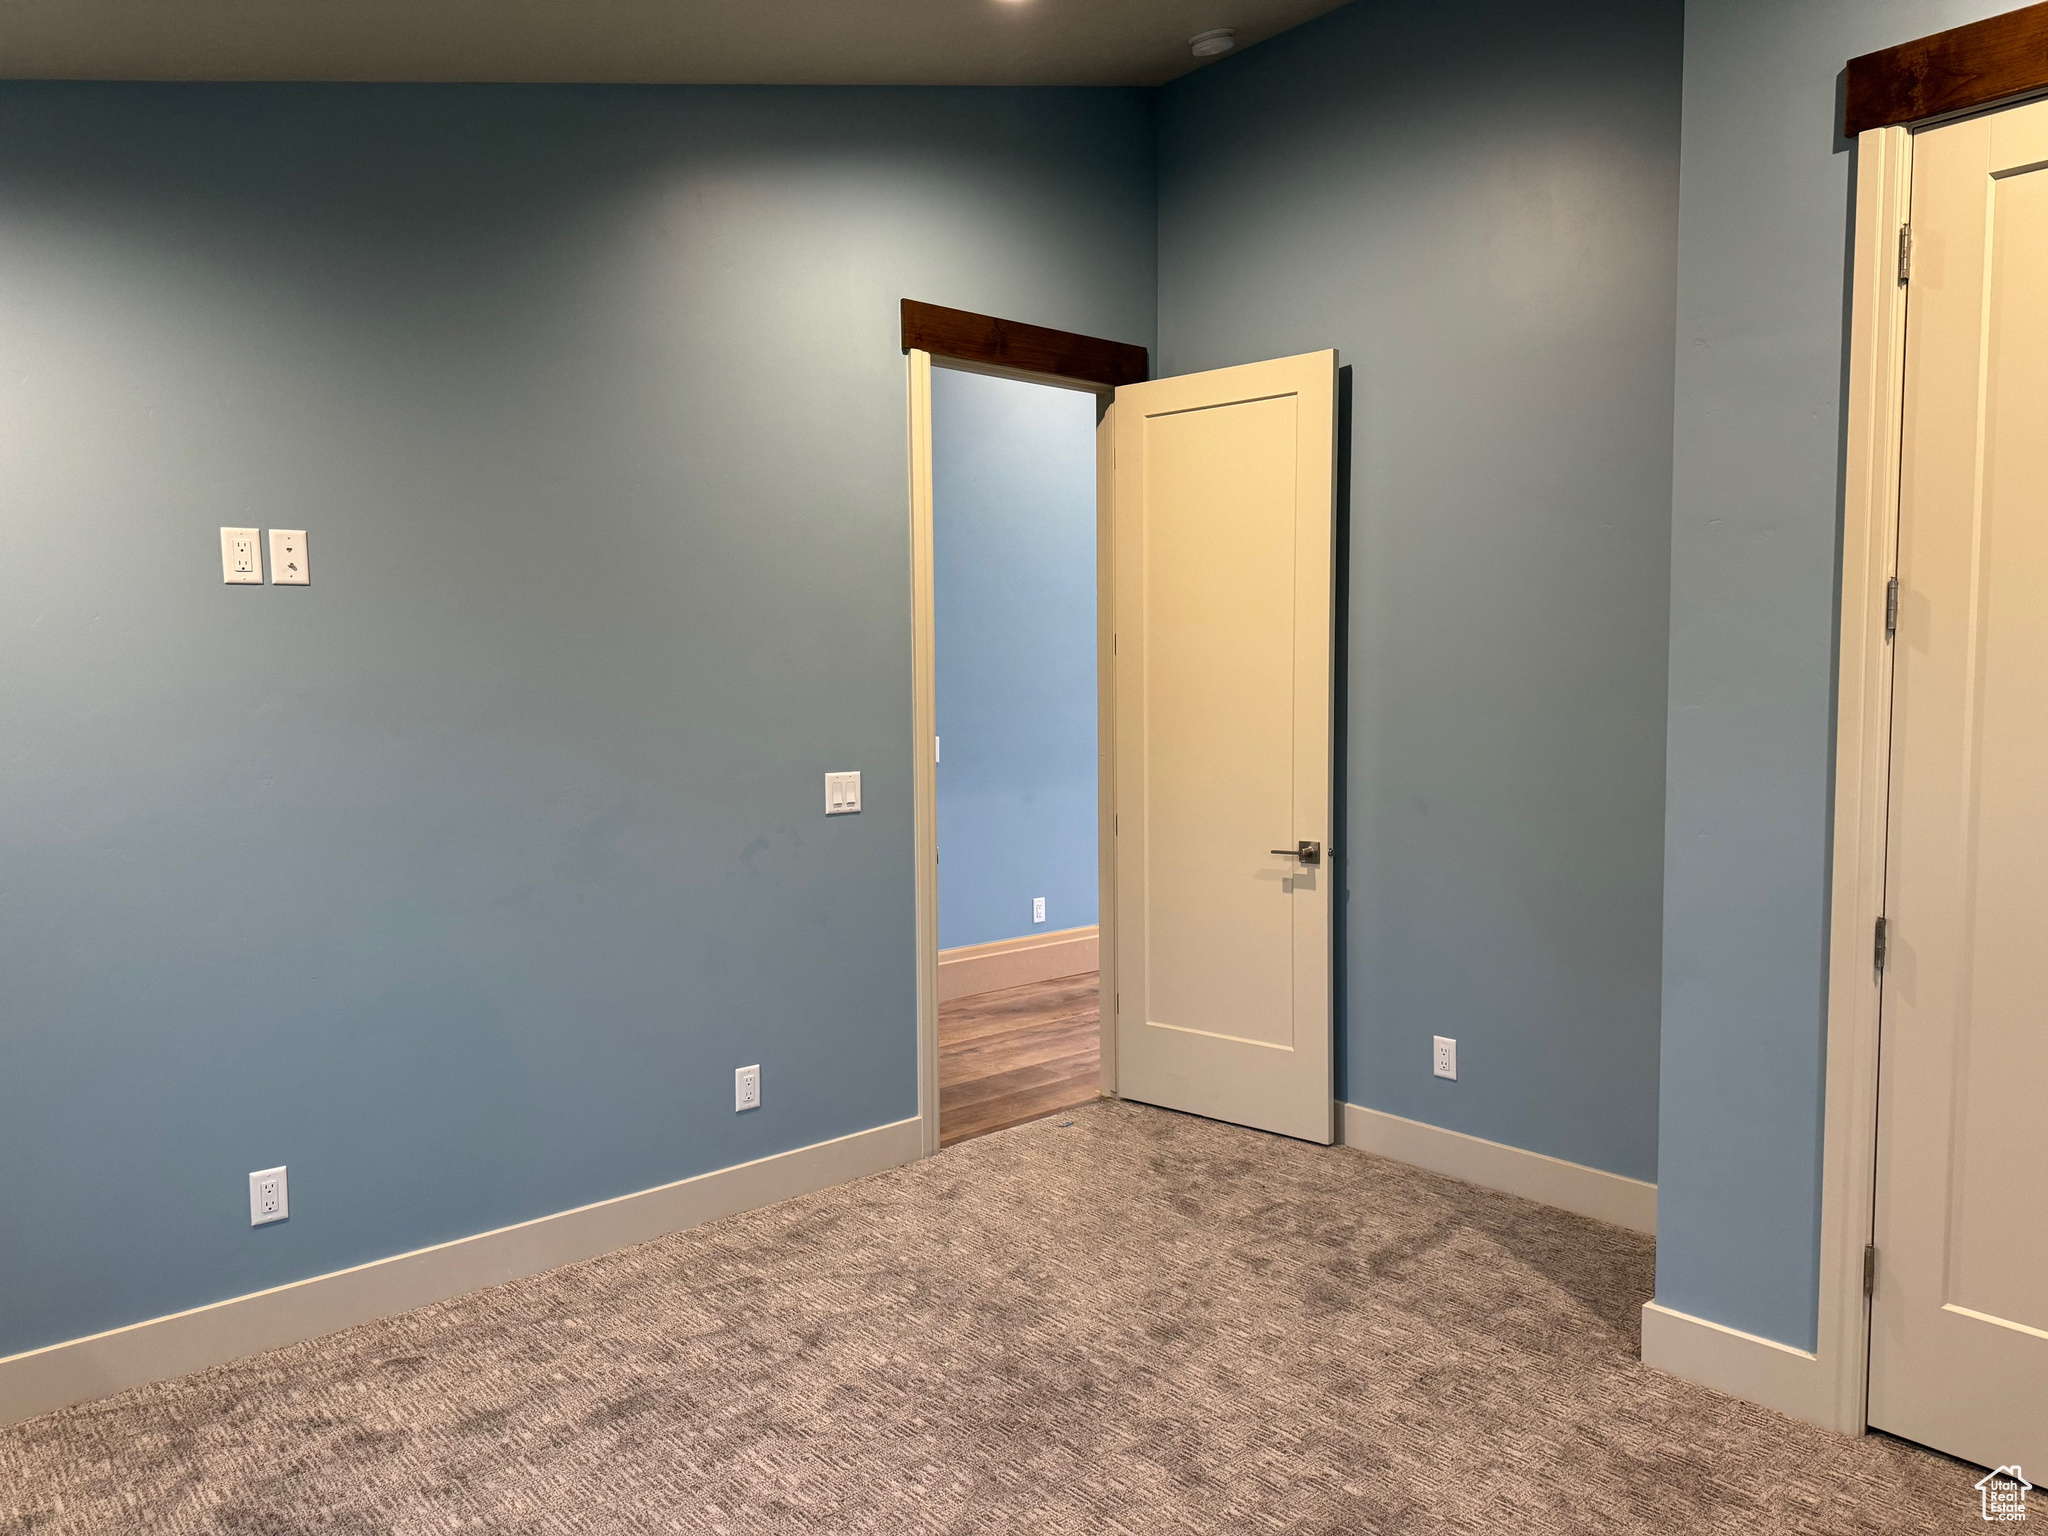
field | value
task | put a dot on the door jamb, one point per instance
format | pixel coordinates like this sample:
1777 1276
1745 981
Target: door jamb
1105 360
1863 685
924 774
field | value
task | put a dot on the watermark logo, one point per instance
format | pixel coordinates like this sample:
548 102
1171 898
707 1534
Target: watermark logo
2005 1494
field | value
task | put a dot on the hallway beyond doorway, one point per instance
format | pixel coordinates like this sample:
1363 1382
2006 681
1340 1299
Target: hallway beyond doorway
1011 1056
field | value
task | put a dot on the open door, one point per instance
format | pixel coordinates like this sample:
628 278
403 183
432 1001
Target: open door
1222 569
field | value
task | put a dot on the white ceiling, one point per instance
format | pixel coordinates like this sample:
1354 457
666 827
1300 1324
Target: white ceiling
752 42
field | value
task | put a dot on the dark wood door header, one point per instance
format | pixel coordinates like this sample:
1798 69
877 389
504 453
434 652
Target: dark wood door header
1951 71
1012 344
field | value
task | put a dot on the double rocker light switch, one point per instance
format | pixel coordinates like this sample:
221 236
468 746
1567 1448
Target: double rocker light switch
842 793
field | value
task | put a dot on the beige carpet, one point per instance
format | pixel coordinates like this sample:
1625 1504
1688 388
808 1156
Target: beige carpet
1128 1322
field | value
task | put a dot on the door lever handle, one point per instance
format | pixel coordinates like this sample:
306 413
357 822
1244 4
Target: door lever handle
1306 851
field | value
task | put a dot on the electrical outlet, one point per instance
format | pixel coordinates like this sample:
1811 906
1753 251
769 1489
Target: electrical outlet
842 794
241 558
1038 909
746 1089
1446 1057
288 558
269 1199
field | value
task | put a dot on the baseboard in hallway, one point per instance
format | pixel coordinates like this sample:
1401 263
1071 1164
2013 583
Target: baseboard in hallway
974 969
1014 1055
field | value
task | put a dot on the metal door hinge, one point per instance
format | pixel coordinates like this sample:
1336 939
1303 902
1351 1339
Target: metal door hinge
1891 608
1870 1269
1905 254
1880 943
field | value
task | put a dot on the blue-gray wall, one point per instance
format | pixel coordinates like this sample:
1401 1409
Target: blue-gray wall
462 880
1013 544
1476 205
498 848
1755 575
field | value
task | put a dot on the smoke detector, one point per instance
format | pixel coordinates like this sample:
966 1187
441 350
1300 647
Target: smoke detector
1206 45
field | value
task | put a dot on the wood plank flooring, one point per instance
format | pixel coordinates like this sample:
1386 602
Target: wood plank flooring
1011 1056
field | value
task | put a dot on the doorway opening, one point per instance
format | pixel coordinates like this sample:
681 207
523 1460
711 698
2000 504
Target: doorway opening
1014 748
1214 519
1070 376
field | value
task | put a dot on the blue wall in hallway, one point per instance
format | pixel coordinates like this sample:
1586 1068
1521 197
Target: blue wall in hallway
1013 486
1486 231
1755 573
461 881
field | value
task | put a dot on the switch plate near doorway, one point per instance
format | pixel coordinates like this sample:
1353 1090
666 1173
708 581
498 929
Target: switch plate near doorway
842 794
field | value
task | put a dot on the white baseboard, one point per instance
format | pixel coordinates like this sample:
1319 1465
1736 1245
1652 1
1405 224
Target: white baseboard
1017 962
42 1380
1742 1365
1591 1192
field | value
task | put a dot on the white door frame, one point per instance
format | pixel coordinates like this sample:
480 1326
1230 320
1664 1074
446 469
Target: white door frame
924 720
1863 728
1826 1386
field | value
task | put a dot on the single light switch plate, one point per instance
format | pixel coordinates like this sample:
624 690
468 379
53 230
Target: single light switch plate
288 558
842 793
746 1089
241 557
1446 1057
1038 909
269 1199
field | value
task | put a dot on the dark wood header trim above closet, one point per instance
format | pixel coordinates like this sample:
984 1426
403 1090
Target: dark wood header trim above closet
1951 71
1029 348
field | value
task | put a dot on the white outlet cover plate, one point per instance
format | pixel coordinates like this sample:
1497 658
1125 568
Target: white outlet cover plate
1038 909
288 558
746 1089
1444 1060
842 794
261 1210
241 557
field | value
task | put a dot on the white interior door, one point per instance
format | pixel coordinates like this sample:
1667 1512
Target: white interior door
1959 1317
1221 564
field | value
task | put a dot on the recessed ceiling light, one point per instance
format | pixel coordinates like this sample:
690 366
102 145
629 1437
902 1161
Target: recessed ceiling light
1206 45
